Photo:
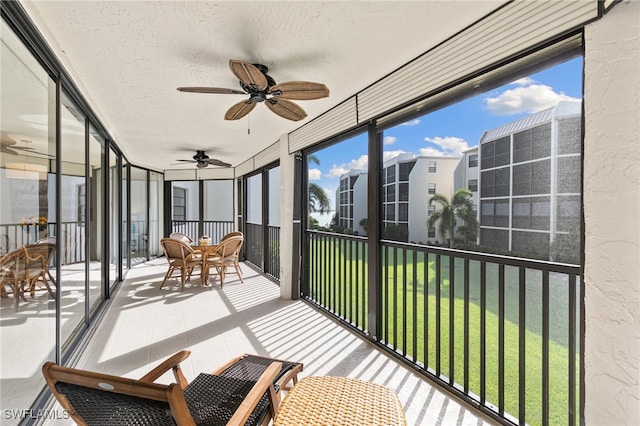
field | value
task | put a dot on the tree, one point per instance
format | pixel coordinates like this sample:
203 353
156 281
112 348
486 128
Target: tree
313 223
460 207
364 223
395 232
318 200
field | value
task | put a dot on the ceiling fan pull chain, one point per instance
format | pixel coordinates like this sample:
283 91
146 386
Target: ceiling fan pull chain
248 124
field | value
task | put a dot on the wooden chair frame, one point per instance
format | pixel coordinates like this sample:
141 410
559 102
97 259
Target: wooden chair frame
146 388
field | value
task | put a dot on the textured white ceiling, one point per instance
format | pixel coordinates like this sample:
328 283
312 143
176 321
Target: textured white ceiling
128 57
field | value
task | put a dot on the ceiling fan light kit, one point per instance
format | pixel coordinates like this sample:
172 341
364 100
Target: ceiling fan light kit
261 87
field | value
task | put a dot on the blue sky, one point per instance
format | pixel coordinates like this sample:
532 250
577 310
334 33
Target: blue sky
455 128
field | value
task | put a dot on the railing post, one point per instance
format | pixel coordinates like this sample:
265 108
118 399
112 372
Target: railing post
373 215
298 286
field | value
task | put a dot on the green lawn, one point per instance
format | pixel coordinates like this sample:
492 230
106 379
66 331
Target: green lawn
340 267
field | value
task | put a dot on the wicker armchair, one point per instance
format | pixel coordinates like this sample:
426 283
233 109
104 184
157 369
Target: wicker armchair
181 257
101 399
225 256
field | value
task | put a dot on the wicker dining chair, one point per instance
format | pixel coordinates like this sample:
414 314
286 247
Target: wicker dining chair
225 256
47 240
181 257
13 274
93 398
181 237
238 254
232 234
39 257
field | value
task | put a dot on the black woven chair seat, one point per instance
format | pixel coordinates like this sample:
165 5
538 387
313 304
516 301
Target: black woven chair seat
212 400
251 367
102 408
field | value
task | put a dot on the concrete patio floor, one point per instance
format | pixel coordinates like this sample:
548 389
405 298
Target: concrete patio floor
145 324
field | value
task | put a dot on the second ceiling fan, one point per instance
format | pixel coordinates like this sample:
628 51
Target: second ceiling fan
260 87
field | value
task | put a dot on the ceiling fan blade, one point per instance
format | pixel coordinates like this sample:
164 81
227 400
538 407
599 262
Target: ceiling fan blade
215 90
248 74
239 110
187 161
215 162
300 90
286 109
7 150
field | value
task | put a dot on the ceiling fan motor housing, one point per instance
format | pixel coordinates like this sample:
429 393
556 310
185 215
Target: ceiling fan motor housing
200 156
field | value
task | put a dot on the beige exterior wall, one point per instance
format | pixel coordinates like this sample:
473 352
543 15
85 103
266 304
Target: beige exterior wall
612 217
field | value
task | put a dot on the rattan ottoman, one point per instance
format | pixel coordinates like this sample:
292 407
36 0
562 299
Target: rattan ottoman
339 401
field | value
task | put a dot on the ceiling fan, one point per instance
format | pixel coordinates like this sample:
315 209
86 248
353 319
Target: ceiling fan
260 87
8 145
202 160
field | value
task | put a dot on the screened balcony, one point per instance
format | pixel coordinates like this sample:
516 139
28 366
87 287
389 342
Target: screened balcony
521 311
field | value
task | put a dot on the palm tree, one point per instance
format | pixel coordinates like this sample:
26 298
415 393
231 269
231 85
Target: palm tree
461 206
318 200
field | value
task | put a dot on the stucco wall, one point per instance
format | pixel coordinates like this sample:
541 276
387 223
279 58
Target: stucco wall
612 217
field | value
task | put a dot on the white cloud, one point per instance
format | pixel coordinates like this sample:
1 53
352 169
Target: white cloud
315 174
448 145
338 170
413 122
389 140
525 81
524 99
361 163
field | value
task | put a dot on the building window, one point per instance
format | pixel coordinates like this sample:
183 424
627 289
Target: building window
473 185
403 192
431 233
403 212
391 174
405 170
496 153
81 202
432 188
431 210
390 212
179 203
473 160
432 166
390 193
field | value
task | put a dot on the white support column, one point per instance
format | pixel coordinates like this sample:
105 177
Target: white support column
287 170
612 217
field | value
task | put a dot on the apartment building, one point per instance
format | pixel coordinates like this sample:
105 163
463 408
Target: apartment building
351 200
408 182
466 174
530 183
